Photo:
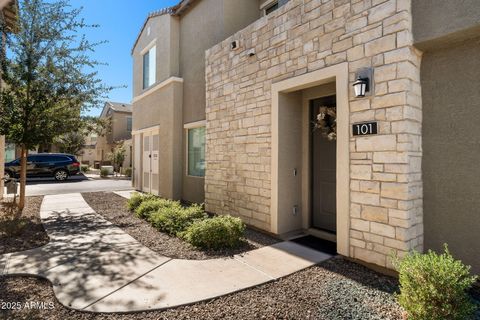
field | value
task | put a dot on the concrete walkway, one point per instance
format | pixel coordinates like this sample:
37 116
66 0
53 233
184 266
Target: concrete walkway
95 266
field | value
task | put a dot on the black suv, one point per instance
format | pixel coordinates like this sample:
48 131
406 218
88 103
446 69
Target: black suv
57 165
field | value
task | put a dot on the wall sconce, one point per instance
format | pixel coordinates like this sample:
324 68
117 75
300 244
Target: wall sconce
364 83
360 86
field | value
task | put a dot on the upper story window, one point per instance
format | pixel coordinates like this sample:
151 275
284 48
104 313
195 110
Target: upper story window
270 6
129 124
149 67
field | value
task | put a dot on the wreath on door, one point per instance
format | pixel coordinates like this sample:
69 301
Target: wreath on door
326 122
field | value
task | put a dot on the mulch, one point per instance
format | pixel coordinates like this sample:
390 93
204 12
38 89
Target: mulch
33 234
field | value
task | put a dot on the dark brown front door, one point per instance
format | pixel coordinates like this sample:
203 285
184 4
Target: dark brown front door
323 170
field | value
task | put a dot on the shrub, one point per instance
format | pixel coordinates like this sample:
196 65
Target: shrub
175 219
104 172
128 172
84 168
215 233
136 200
149 206
434 287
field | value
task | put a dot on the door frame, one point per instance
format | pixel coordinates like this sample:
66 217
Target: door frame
339 75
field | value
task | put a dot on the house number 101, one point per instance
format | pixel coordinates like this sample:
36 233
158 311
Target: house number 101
362 129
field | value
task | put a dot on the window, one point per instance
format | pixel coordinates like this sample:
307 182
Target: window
129 124
271 8
149 67
196 152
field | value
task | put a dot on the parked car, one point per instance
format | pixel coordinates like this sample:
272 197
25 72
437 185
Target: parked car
57 165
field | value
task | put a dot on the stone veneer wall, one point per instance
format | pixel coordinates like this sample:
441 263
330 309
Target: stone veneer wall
307 35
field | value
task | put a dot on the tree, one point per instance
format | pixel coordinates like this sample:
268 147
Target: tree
117 156
49 77
71 142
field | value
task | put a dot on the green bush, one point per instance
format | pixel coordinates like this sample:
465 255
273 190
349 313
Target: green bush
150 206
104 173
175 219
128 172
84 168
137 198
215 233
434 287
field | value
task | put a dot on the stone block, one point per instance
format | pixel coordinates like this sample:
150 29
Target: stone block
360 225
382 229
376 143
375 214
380 45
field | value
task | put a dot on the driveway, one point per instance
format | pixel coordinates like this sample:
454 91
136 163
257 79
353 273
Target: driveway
75 184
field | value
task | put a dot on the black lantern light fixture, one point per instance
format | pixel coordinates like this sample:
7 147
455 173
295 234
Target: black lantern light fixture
361 86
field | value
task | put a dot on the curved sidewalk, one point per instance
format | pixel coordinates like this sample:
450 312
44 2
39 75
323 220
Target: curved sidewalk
95 266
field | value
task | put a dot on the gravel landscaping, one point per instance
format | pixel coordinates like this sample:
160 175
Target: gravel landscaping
334 289
33 235
113 208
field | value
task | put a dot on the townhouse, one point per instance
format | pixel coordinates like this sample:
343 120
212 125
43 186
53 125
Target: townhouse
352 120
120 120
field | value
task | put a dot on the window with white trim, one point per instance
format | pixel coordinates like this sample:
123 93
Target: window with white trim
196 152
149 67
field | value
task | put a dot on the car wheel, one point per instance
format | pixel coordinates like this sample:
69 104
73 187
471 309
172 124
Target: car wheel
61 175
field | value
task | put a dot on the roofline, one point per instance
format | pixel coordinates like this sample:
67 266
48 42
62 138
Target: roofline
110 105
176 10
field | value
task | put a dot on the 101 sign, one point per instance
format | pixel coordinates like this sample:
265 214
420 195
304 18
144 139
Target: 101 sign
363 129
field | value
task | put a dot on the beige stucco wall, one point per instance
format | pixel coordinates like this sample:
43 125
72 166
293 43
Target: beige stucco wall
451 144
162 108
164 31
444 22
205 24
385 169
119 127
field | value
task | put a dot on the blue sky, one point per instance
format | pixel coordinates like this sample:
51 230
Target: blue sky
120 22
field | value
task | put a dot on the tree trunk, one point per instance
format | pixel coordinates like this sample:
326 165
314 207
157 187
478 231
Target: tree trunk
23 178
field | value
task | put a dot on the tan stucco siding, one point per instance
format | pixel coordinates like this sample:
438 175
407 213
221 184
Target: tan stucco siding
442 22
451 144
161 31
119 126
163 108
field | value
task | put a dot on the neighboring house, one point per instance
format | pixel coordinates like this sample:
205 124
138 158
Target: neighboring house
120 118
88 155
169 92
8 15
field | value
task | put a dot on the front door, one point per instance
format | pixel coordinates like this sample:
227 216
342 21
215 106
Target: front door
323 165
